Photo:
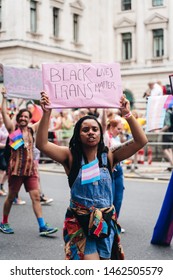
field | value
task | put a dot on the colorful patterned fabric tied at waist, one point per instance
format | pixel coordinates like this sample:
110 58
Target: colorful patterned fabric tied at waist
81 222
95 222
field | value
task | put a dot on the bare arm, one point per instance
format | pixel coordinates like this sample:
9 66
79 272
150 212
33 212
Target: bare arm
104 120
128 148
60 154
165 128
9 124
35 126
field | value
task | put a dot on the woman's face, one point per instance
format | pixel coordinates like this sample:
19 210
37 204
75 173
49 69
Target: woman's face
90 132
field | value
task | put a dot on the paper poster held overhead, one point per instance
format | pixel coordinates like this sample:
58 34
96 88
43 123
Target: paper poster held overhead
77 85
23 83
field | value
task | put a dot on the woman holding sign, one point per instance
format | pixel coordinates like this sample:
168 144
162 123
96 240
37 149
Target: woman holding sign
91 231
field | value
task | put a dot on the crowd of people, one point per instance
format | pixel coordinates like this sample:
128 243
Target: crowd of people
156 88
91 145
91 229
21 167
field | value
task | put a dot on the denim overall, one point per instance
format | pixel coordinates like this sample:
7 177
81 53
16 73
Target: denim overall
98 195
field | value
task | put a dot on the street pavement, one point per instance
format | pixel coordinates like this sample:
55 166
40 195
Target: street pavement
141 206
154 171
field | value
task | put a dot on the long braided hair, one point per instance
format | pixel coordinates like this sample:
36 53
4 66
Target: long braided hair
75 146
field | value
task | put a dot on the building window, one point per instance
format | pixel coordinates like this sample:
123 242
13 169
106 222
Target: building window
157 3
126 5
75 28
127 46
0 14
158 40
33 16
55 22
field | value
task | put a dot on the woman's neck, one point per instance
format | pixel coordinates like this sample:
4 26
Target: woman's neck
90 154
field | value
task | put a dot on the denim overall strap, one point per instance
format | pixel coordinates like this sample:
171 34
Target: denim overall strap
104 159
94 195
83 162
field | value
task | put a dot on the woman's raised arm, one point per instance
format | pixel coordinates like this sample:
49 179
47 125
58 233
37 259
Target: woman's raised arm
60 154
129 148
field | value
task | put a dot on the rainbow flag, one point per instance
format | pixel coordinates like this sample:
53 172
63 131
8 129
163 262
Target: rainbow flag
90 172
16 139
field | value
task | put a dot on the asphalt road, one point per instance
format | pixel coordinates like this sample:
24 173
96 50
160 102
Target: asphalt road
141 206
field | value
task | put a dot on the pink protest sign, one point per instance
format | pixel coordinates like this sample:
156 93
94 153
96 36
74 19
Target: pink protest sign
22 82
78 85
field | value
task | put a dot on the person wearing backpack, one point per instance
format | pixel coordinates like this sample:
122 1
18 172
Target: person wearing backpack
91 231
21 167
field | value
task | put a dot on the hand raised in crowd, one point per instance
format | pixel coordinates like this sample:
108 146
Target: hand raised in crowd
124 105
3 91
44 102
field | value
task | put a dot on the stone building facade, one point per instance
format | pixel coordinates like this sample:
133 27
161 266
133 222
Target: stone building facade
137 34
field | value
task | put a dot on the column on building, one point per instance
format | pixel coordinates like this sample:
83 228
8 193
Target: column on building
170 29
140 30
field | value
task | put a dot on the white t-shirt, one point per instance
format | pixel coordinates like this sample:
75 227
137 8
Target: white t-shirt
157 90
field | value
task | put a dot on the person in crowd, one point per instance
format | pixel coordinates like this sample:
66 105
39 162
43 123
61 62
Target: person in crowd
91 231
65 127
163 87
142 122
3 163
3 178
36 115
113 138
154 89
18 201
83 112
36 112
21 167
44 200
167 138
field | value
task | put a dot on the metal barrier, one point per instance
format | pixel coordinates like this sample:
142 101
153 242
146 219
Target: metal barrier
159 167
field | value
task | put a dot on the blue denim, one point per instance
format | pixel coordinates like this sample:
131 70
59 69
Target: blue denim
118 187
102 246
98 195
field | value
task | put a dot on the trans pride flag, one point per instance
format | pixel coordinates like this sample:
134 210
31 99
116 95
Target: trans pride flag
16 139
156 110
90 172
